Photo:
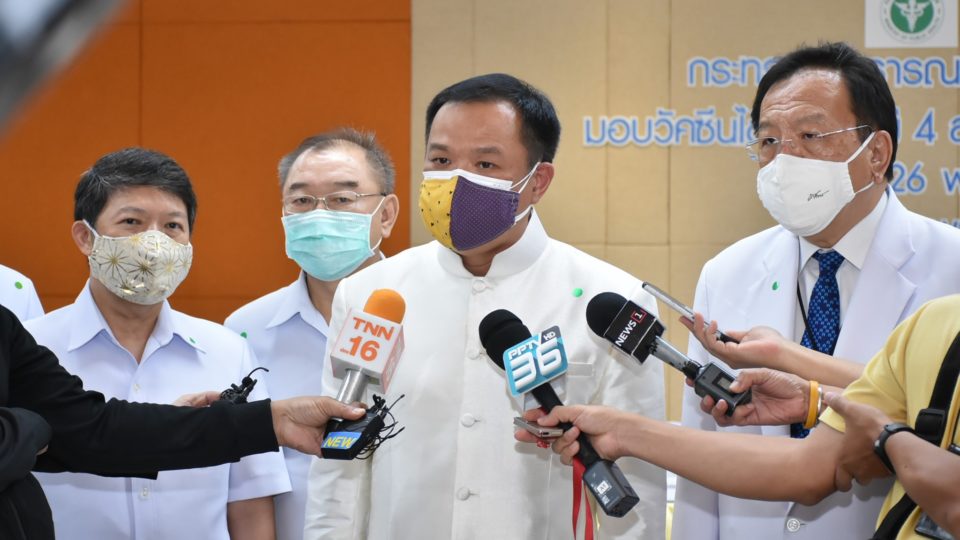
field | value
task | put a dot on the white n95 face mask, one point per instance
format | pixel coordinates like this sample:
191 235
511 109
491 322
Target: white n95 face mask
804 195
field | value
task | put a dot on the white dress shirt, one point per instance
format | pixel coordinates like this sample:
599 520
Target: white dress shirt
854 247
288 336
183 355
457 472
18 294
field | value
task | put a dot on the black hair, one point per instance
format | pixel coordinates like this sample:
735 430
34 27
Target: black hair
126 168
540 127
870 95
377 157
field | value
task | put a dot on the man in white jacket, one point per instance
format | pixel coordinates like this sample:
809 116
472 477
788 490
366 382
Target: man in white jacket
845 265
456 471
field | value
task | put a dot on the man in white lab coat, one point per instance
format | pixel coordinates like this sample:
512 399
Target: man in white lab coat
826 144
456 471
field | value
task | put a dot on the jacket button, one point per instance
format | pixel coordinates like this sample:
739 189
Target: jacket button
479 285
468 420
463 494
473 353
793 525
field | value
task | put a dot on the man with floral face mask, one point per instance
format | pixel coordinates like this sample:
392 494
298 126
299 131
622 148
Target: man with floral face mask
456 471
845 265
134 212
338 206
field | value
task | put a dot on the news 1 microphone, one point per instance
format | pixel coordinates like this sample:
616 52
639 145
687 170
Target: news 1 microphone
531 362
636 331
367 350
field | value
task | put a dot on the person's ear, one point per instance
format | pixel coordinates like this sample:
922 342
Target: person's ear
82 237
389 213
881 152
541 181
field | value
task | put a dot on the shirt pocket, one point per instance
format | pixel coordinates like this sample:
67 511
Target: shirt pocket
579 383
579 369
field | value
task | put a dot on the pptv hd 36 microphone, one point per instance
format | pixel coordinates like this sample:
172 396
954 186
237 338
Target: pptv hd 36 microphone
531 362
637 332
366 350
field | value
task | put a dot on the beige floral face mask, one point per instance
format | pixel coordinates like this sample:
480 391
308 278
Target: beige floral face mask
144 268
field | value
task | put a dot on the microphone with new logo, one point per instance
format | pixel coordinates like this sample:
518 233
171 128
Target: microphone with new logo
366 350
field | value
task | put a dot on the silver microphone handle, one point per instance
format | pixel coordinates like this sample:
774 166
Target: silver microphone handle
351 390
666 352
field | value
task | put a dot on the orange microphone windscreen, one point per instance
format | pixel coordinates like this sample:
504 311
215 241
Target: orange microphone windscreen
386 303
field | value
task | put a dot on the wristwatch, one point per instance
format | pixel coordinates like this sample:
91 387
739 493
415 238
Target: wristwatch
879 446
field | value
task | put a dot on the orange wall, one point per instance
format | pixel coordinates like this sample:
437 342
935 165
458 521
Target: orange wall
226 87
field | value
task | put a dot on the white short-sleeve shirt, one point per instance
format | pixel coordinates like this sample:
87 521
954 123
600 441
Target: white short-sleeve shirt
18 294
288 336
183 355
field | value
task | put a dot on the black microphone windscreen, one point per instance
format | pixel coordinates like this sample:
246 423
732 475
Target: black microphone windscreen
602 309
499 331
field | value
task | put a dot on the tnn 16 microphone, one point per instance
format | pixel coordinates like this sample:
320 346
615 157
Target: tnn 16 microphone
637 332
510 345
366 350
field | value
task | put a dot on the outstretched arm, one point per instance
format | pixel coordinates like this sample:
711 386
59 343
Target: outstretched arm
741 465
765 347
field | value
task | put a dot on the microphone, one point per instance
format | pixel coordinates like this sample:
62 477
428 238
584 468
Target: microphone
238 394
369 345
367 350
636 331
531 362
681 308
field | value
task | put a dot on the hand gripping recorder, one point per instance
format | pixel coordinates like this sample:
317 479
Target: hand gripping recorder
637 332
366 350
531 362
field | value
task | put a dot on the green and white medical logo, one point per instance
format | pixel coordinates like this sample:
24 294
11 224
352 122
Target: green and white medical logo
911 21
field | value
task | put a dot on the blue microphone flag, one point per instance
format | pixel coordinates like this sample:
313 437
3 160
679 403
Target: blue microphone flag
535 361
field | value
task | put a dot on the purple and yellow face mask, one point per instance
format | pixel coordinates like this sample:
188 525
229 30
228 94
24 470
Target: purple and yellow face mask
463 210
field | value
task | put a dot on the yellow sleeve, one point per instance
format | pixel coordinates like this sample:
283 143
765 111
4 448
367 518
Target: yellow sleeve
883 382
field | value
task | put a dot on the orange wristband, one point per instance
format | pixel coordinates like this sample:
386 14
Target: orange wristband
813 409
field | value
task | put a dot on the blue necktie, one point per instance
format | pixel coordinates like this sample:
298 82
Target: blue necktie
823 316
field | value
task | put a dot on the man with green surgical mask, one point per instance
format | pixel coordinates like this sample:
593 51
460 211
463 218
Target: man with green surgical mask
337 207
455 471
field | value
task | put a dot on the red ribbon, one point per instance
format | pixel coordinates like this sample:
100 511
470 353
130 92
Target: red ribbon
578 494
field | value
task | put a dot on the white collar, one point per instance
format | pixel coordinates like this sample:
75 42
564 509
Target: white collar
854 245
296 301
88 322
516 258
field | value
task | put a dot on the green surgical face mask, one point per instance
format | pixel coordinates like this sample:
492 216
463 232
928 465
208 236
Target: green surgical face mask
327 244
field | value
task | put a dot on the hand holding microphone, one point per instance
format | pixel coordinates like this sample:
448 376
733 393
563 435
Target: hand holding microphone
600 423
367 349
530 363
778 398
635 331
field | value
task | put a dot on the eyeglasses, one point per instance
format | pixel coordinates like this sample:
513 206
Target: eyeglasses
816 144
339 201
